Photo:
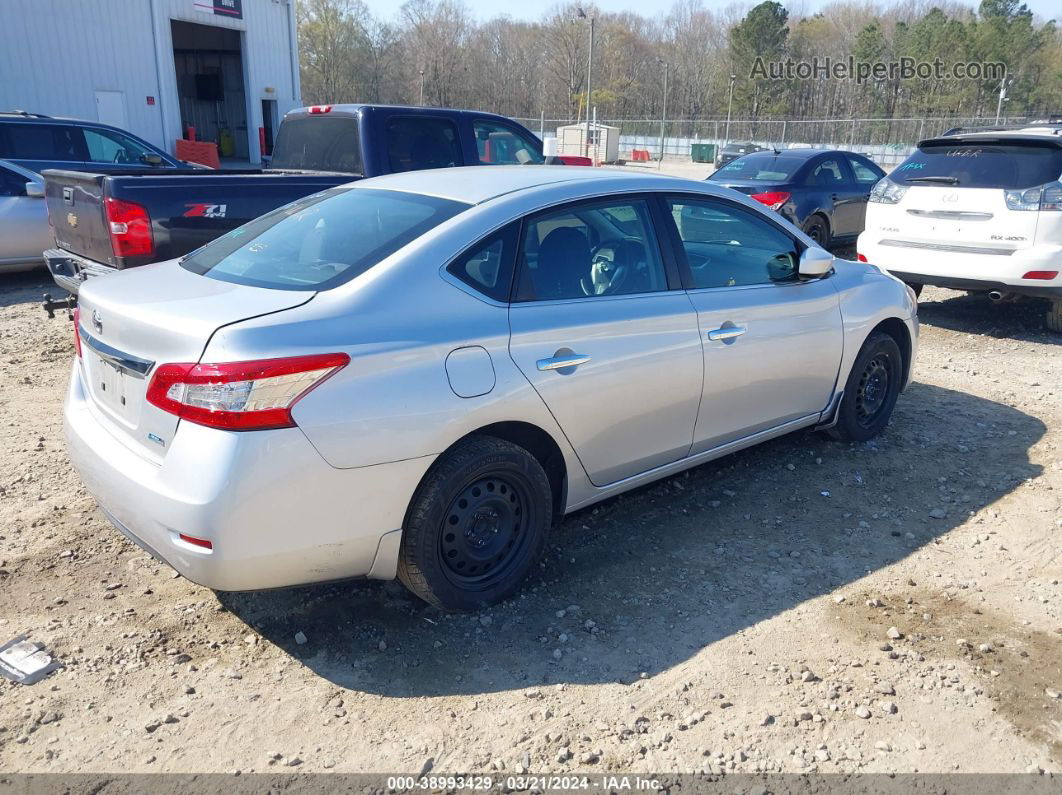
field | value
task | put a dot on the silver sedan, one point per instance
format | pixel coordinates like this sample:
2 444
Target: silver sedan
24 229
417 375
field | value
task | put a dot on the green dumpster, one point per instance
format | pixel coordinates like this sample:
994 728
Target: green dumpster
702 153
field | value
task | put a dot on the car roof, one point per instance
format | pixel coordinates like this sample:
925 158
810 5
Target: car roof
477 184
802 152
1051 133
20 116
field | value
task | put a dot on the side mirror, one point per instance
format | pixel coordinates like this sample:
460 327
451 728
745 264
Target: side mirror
35 190
815 262
151 159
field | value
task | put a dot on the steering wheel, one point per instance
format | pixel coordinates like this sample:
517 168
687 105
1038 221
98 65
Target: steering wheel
608 274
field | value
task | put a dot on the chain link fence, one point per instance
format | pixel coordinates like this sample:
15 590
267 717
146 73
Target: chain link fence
887 141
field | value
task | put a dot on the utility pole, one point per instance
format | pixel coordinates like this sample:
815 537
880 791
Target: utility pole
729 107
663 115
589 73
1003 85
421 86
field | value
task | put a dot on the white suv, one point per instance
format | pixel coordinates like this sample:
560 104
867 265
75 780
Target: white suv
974 210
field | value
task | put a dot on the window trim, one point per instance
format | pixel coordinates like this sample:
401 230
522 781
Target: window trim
458 148
680 251
650 198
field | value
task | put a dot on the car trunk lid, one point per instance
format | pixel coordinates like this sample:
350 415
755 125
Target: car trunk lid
963 219
159 314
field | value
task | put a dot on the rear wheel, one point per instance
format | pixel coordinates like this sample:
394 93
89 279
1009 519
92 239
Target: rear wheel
817 229
1054 316
871 390
477 524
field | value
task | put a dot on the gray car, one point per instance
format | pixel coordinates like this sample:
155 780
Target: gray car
24 229
417 375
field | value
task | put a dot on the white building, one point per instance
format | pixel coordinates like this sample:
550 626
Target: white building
230 68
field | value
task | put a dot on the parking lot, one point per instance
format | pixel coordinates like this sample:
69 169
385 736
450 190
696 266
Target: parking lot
803 605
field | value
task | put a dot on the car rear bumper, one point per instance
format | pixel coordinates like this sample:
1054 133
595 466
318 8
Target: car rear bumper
276 513
967 269
69 271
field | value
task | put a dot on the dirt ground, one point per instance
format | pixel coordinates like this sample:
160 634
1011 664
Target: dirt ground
805 605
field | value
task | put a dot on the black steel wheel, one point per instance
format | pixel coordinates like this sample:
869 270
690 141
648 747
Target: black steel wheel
870 392
476 525
817 229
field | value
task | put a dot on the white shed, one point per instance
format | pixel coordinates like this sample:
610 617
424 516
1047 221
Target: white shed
604 141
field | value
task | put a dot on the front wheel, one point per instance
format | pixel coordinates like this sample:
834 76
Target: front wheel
871 390
476 525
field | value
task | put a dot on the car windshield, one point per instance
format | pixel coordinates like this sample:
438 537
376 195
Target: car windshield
322 240
760 167
982 165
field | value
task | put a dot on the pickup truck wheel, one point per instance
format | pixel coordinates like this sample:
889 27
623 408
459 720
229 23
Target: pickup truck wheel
871 390
477 524
1054 316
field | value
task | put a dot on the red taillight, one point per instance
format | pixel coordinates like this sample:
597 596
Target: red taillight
315 109
772 198
198 542
241 396
861 257
1040 275
77 330
130 229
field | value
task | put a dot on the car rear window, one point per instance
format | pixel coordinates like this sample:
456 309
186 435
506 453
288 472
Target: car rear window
758 167
983 165
319 143
321 241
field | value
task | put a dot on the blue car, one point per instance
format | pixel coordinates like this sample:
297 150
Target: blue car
37 142
823 192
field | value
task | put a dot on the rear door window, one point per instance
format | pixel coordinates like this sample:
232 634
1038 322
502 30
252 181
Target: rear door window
982 165
321 241
488 266
44 142
416 143
828 174
318 143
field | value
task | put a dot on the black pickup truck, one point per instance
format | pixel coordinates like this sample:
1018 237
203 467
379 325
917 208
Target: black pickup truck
108 222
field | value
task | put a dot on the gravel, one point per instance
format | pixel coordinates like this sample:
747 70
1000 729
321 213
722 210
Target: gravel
684 643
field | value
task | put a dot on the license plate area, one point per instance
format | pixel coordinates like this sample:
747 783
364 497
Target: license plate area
114 390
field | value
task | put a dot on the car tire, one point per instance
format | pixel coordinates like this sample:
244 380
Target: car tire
476 526
1054 317
871 390
818 230
915 287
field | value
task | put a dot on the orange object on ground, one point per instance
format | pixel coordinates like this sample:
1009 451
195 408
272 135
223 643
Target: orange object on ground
203 152
640 155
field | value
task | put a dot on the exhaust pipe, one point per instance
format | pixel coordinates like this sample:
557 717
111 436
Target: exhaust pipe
996 296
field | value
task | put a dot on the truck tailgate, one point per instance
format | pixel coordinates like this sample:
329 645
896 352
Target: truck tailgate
75 208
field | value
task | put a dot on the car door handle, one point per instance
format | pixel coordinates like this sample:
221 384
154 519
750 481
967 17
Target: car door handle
726 333
560 362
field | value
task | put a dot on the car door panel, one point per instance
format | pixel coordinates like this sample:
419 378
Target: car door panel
772 341
632 405
781 366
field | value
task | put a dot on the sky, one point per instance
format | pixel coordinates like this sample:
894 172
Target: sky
487 9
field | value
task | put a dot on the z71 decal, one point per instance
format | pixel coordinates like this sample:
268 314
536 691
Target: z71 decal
205 210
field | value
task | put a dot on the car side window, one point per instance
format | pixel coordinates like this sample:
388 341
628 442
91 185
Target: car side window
488 266
107 146
591 250
44 142
501 144
12 183
827 174
421 142
730 246
865 173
